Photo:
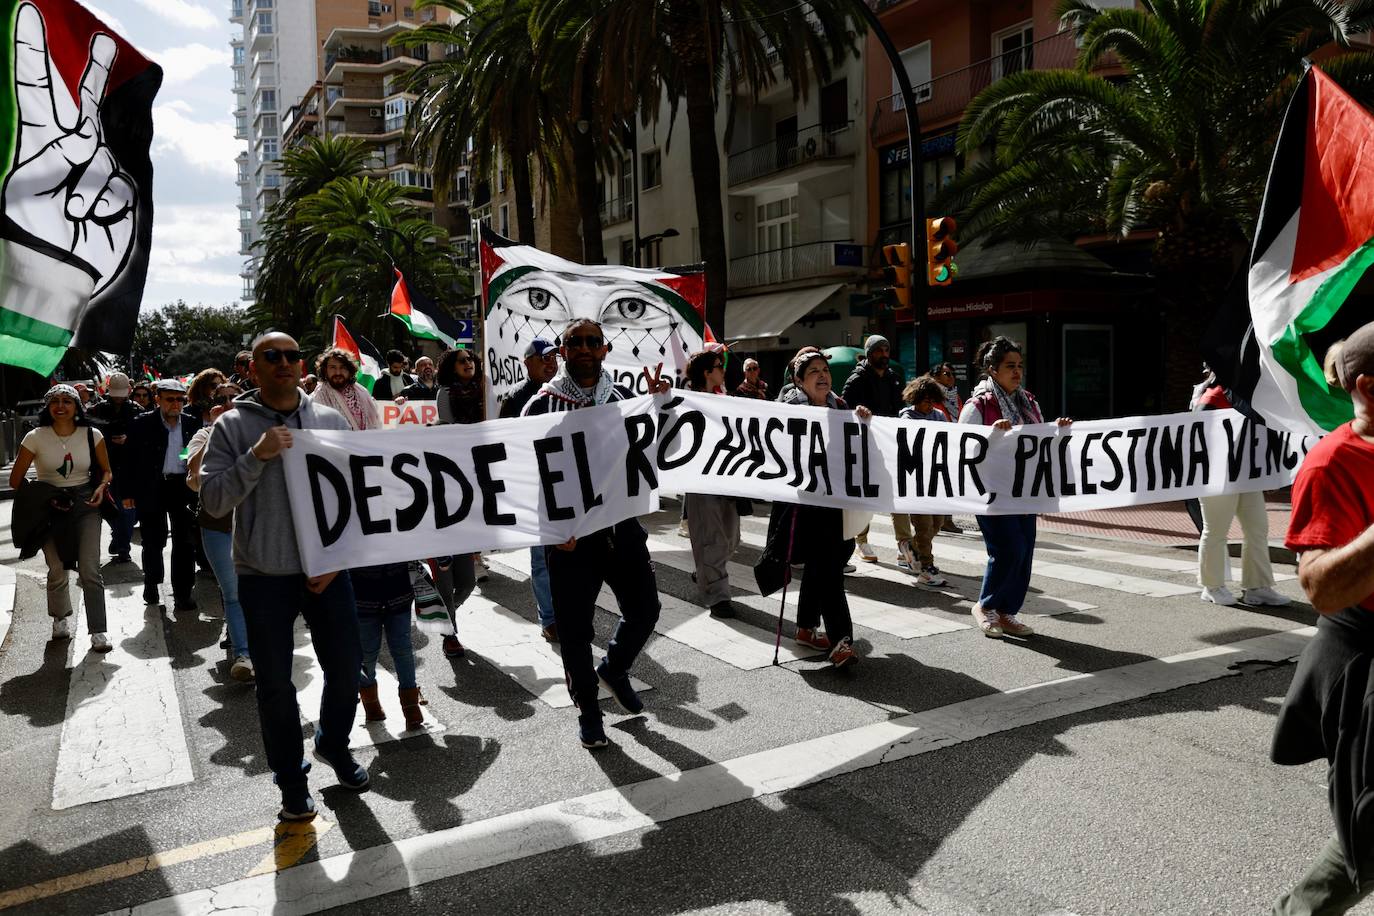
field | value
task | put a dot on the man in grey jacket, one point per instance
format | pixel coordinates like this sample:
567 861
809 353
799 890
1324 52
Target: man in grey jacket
242 473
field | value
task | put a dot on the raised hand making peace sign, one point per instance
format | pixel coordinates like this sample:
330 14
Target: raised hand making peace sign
66 192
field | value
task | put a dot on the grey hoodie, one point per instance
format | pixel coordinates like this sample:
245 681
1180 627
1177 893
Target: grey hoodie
232 479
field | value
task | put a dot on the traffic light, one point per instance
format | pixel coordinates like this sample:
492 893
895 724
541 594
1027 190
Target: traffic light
940 249
897 269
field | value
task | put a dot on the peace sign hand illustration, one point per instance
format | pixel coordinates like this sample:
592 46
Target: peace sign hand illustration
66 188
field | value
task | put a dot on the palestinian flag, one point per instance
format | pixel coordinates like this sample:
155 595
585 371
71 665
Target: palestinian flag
1313 244
76 212
649 316
150 374
367 356
422 317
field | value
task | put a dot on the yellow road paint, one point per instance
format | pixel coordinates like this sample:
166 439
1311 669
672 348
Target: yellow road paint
130 867
293 841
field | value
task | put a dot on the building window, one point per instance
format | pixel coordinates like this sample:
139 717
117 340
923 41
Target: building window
409 12
245 241
269 149
775 225
894 186
1013 50
269 126
505 220
650 169
627 179
627 252
653 253
268 100
916 61
238 55
265 23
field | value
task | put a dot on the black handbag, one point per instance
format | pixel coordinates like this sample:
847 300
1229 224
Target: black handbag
109 509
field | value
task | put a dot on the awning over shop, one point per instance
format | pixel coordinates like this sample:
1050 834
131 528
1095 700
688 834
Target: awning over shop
767 316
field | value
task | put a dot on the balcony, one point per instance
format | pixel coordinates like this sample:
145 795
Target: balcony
810 261
948 95
816 149
616 210
236 11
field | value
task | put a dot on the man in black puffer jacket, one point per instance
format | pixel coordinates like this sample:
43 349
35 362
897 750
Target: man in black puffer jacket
874 385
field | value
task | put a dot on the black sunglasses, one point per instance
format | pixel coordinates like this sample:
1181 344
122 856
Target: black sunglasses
222 400
276 356
590 342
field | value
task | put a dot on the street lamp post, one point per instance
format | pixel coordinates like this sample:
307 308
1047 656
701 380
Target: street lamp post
641 244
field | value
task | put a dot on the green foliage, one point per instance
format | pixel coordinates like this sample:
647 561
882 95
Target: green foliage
180 338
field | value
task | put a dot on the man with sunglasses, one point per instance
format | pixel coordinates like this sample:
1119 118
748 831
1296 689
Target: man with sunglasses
242 473
153 472
617 556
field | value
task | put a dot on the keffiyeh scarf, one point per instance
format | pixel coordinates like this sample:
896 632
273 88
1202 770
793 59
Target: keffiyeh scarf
564 388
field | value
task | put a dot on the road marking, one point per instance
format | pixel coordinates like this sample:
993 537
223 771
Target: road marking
9 584
364 874
308 677
130 867
123 733
513 645
1037 604
291 841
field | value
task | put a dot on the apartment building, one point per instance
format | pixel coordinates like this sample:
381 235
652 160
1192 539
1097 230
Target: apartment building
795 195
326 67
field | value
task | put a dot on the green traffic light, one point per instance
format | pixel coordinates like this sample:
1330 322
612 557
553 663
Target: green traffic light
942 273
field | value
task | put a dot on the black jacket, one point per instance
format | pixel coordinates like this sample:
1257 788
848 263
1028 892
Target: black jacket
35 521
114 420
417 392
140 471
381 389
881 394
515 402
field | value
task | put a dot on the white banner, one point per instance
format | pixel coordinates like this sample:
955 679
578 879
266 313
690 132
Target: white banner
359 499
411 413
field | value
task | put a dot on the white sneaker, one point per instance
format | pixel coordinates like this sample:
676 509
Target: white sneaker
242 669
987 622
1220 595
62 627
1013 627
930 575
100 643
867 553
906 558
1265 596
682 531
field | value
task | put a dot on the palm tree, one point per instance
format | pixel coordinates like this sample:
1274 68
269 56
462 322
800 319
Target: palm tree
488 95
1177 137
698 51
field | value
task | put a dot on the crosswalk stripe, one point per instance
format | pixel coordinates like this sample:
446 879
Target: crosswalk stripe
734 642
308 677
122 734
1037 604
513 645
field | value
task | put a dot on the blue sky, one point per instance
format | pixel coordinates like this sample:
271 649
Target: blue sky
195 219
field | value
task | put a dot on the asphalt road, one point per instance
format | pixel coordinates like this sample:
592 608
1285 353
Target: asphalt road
1070 773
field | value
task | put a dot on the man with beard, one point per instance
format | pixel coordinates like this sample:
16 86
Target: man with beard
242 473
874 385
112 417
339 389
424 388
615 556
394 380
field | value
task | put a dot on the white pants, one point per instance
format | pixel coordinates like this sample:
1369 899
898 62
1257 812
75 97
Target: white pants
1214 563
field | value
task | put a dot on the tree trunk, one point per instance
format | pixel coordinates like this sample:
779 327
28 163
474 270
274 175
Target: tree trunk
588 196
705 152
524 198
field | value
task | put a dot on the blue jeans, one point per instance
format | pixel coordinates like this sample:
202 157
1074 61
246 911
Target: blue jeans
397 630
1010 541
270 606
539 583
219 547
122 532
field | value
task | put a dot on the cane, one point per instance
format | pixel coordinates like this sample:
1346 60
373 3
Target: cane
787 579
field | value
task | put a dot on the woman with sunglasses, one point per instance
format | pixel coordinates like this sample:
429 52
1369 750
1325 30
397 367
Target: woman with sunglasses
712 521
217 536
142 396
59 513
460 399
202 390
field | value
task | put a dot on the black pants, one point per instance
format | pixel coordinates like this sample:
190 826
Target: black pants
821 547
617 557
168 512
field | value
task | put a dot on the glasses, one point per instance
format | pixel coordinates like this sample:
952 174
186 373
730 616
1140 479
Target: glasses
222 400
173 398
276 356
588 342
464 360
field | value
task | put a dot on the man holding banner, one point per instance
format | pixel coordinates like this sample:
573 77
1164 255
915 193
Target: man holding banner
617 556
242 473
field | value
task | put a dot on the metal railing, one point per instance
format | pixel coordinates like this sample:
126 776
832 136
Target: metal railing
949 94
817 142
798 262
395 122
616 210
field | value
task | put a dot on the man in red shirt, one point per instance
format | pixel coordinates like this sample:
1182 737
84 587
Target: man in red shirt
1329 710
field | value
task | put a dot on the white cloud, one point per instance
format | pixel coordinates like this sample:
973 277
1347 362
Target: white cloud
183 13
194 253
189 61
111 20
207 145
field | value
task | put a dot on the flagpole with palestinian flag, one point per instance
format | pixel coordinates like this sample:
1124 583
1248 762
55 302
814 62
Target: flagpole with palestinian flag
422 317
1313 244
76 211
363 351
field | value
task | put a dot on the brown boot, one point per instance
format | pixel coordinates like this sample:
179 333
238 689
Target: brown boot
371 705
410 705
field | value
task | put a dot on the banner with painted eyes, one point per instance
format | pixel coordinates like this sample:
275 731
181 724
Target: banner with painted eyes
648 315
